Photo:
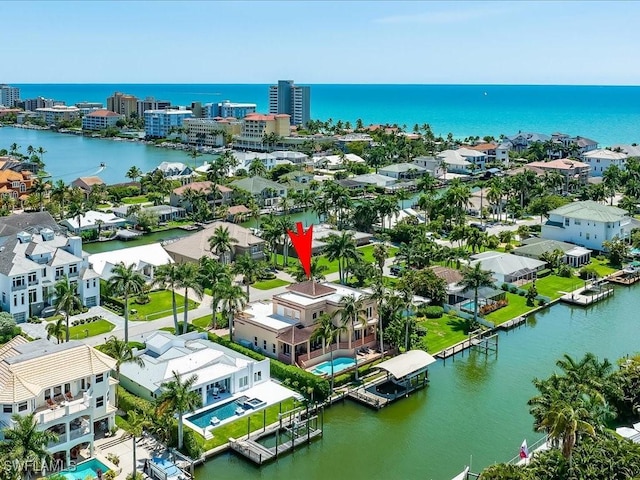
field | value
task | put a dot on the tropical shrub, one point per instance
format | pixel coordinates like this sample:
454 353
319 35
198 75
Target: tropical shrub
433 312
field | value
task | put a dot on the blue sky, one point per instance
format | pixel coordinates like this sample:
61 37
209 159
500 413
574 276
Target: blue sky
320 42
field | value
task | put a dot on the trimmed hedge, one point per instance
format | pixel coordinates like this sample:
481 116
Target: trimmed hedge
433 311
294 377
129 402
545 272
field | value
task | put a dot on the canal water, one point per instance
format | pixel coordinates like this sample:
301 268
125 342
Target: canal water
474 410
108 246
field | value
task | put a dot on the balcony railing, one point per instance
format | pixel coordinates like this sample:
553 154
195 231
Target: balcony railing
18 287
79 432
48 414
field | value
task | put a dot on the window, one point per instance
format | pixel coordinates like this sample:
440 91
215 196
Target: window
566 222
59 272
33 296
7 409
100 378
100 402
87 283
369 312
22 406
18 282
264 345
32 278
67 387
244 381
22 299
94 283
273 348
588 236
73 268
576 222
315 315
255 341
257 376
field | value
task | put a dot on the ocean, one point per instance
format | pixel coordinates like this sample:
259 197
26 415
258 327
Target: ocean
607 114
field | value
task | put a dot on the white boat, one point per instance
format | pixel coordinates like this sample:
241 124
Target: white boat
462 476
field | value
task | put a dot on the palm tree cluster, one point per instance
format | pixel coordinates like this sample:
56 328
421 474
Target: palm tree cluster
576 407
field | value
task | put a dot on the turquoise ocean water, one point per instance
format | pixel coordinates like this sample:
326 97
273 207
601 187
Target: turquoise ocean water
606 114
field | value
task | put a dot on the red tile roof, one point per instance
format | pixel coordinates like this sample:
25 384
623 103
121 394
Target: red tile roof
103 113
310 289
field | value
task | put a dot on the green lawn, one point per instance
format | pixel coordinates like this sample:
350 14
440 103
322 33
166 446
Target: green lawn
159 306
332 267
238 428
602 267
552 285
90 329
442 332
136 199
269 284
517 306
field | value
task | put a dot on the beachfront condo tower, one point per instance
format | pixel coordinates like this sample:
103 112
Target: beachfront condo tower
292 100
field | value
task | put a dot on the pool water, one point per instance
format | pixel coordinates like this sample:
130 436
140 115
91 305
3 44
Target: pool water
339 364
222 412
85 469
468 306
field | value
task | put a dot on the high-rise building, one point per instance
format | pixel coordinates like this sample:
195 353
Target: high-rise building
228 109
123 104
9 95
151 103
159 123
32 104
293 100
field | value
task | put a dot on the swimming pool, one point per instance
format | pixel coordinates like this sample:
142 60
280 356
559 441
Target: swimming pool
221 412
339 364
468 306
85 469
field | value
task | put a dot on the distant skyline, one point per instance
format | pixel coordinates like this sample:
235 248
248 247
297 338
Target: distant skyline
315 42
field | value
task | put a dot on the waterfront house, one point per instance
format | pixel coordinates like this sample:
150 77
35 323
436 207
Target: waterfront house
100 120
403 171
477 158
93 220
196 245
267 193
536 247
144 258
522 140
58 113
374 179
588 224
502 152
282 328
68 387
601 159
86 184
336 162
434 166
322 231
219 369
297 158
574 172
454 162
34 254
178 197
508 268
16 184
453 278
244 159
175 171
163 213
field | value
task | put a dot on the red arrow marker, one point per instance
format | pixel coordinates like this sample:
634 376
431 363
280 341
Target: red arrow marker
302 243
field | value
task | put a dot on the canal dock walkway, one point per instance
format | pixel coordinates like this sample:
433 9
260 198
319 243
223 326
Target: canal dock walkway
601 291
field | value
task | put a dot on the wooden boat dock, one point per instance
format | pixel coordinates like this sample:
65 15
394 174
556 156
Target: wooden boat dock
624 278
298 426
512 323
603 290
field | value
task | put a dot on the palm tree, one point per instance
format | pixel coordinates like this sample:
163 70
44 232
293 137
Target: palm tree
221 243
137 422
351 313
59 192
565 423
167 276
57 330
24 441
41 151
121 352
66 300
211 275
40 188
189 280
233 301
126 281
327 332
341 248
250 269
257 168
133 173
317 271
475 278
178 398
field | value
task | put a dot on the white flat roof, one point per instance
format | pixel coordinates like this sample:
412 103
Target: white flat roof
262 313
407 363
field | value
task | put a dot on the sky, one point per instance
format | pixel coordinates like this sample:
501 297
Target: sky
421 42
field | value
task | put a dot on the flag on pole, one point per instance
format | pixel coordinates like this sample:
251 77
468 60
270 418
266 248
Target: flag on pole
524 450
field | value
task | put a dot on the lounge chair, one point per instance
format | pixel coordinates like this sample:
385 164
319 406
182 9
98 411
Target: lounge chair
215 421
239 411
68 396
51 404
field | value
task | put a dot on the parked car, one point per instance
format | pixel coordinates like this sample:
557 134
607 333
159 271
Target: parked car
48 312
396 270
479 226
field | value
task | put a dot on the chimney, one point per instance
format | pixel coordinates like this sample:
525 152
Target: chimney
75 246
